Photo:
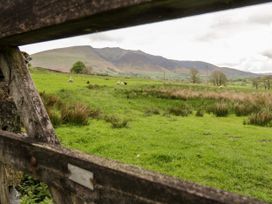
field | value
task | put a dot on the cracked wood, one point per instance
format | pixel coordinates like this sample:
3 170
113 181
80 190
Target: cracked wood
25 96
30 21
113 182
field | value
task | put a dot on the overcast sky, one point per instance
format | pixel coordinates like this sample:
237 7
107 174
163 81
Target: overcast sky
240 38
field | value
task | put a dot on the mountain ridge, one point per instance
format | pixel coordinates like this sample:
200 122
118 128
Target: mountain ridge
126 62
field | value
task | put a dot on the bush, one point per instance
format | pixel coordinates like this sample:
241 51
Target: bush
75 114
93 86
262 118
180 110
116 122
33 191
200 113
219 109
94 113
55 117
50 100
152 111
244 109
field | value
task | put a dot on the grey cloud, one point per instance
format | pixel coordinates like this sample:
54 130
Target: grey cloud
243 18
267 54
224 24
234 64
257 64
261 18
221 26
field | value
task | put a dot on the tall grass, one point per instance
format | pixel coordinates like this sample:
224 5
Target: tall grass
220 109
62 113
116 122
219 95
240 103
261 118
244 109
75 114
181 110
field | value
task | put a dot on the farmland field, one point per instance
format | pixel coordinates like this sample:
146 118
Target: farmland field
221 152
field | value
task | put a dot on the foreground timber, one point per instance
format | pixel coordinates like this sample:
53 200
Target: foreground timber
94 180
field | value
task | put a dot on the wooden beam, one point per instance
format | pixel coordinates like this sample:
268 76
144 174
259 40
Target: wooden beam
4 193
31 21
27 100
103 181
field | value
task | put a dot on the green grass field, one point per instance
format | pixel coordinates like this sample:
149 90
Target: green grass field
219 152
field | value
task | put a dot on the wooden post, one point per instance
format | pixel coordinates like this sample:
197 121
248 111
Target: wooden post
9 121
4 192
25 96
29 105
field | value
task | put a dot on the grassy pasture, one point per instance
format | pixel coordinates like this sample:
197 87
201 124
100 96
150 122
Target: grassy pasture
219 152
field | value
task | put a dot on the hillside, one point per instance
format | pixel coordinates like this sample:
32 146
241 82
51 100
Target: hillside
120 61
63 59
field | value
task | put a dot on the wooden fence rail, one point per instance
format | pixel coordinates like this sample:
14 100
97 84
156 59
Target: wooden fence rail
30 21
95 180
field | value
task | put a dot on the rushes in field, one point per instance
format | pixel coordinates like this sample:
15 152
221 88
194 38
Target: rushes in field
243 109
152 111
219 109
116 122
262 118
55 117
51 100
180 110
75 114
200 113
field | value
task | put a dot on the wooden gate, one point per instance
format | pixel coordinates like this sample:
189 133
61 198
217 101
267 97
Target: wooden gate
74 177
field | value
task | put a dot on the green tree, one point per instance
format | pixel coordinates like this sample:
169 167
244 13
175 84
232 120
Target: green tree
218 78
79 68
194 78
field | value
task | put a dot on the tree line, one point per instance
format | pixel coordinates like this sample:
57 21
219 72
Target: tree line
264 81
217 77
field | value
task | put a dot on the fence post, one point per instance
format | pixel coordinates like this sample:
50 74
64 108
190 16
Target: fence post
4 191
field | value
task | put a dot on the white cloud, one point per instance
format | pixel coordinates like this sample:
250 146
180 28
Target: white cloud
238 38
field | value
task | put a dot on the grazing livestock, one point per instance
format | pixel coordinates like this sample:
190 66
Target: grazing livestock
121 83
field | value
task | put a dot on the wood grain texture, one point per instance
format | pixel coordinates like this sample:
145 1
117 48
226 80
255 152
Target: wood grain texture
4 193
30 21
27 100
113 182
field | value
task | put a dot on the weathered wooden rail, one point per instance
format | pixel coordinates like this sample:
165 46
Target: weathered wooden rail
106 181
30 21
74 177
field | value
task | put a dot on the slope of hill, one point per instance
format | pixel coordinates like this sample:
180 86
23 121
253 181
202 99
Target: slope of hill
121 61
63 59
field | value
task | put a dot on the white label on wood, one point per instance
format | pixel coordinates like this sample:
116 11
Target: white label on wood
81 176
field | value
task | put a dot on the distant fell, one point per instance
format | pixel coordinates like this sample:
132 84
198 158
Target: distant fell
126 62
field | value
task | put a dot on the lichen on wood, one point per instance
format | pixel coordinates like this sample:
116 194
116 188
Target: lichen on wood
9 121
28 102
9 118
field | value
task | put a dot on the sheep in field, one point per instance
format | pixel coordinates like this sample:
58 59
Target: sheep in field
121 83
